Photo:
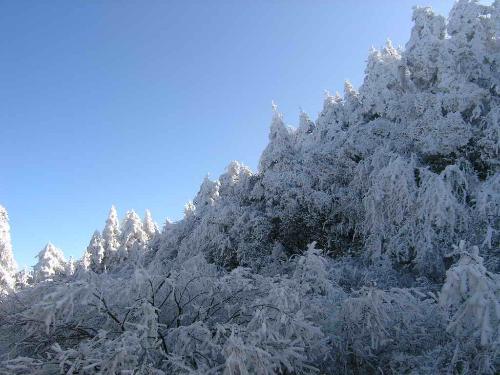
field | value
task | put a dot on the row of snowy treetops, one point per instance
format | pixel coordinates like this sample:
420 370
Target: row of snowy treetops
368 242
119 241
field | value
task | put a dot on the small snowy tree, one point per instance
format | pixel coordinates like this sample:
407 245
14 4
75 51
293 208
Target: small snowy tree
23 278
384 70
149 226
51 264
189 209
94 254
207 196
7 263
133 238
488 210
471 297
280 142
424 48
111 236
70 267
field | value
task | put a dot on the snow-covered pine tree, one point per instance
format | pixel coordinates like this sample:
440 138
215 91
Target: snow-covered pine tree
7 263
133 238
279 141
149 226
24 278
51 264
70 267
94 254
111 237
385 180
189 209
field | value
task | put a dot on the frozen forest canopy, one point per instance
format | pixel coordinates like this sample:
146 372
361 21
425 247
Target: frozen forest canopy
368 241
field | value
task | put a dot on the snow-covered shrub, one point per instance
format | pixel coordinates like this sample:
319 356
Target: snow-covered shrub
374 326
488 212
471 299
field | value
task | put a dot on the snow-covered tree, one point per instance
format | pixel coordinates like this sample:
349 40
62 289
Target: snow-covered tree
133 238
280 142
111 236
7 262
424 48
24 278
208 194
70 267
385 181
149 226
94 254
471 297
189 209
51 264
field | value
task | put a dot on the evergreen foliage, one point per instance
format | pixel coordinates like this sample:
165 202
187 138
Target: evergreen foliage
344 253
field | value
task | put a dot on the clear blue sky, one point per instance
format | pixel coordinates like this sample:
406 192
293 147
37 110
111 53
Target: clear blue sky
132 103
